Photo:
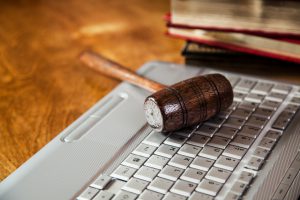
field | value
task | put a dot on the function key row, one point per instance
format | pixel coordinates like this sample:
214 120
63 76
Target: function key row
246 85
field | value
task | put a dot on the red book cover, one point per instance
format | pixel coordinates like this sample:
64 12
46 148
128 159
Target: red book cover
252 44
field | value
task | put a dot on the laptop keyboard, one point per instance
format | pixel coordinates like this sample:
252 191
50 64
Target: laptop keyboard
197 163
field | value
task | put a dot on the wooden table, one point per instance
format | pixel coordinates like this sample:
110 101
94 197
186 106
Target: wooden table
43 86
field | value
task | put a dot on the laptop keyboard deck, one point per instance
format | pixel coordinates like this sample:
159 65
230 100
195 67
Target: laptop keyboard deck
209 160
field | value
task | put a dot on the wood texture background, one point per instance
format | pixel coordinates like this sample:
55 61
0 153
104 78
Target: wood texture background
44 87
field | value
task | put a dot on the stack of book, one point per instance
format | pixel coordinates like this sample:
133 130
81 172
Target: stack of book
239 32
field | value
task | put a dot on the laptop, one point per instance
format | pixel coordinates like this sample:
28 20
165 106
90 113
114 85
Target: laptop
248 151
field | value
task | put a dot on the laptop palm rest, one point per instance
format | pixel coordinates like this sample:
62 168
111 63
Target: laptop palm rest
78 153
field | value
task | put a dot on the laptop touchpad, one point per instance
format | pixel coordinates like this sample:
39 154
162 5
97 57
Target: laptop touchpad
105 124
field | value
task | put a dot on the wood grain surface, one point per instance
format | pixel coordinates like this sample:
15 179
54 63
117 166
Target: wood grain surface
43 85
109 68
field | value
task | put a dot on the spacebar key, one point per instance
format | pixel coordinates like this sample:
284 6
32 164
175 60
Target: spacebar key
282 120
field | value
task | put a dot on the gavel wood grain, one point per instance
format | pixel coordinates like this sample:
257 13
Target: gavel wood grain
110 68
174 107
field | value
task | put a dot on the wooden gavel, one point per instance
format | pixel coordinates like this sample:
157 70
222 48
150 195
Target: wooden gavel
174 107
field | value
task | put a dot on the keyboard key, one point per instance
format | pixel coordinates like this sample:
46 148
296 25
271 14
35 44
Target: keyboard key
183 188
146 173
254 163
217 174
144 150
224 113
200 196
123 173
263 113
233 106
291 108
104 195
266 143
134 161
282 120
189 150
234 151
219 142
256 122
252 97
295 100
180 161
245 85
193 175
206 130
272 105
186 132
171 173
155 138
274 135
88 194
210 152
166 150
227 163
234 122
175 140
238 96
274 96
262 88
150 195
246 177
202 163
215 121
101 181
122 195
172 196
242 141
156 161
160 185
249 131
135 185
232 196
198 140
280 88
261 153
239 188
247 105
227 132
209 187
241 113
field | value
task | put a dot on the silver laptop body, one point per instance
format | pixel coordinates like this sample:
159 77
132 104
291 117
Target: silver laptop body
250 151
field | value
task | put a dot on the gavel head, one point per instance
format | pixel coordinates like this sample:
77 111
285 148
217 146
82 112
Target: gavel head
188 102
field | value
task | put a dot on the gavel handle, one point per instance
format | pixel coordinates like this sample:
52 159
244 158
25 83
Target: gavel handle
115 70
